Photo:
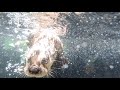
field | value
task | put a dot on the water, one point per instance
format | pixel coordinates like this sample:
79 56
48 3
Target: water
14 29
92 44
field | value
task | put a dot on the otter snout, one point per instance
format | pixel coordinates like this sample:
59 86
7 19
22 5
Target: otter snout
34 69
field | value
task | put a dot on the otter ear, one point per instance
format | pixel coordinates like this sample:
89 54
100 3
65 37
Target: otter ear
58 44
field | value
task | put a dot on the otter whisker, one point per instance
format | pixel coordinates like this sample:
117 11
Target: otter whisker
50 74
53 72
23 75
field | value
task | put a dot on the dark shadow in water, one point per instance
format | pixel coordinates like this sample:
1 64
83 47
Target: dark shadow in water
92 44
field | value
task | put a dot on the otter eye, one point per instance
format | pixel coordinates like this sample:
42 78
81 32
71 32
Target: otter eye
44 61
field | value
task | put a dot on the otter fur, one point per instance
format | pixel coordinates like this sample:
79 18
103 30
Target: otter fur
45 48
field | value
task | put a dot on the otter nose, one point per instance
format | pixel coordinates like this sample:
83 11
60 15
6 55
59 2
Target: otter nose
34 69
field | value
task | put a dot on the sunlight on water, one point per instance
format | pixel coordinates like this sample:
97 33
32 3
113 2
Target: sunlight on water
22 24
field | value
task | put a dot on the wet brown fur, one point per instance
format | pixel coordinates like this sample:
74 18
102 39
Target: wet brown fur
38 44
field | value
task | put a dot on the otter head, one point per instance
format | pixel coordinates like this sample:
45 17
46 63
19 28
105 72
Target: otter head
38 64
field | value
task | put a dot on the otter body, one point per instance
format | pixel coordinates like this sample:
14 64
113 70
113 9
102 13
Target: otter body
45 48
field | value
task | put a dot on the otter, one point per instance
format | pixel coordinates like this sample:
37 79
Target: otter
45 51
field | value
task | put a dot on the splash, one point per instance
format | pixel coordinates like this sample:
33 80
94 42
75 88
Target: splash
19 27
